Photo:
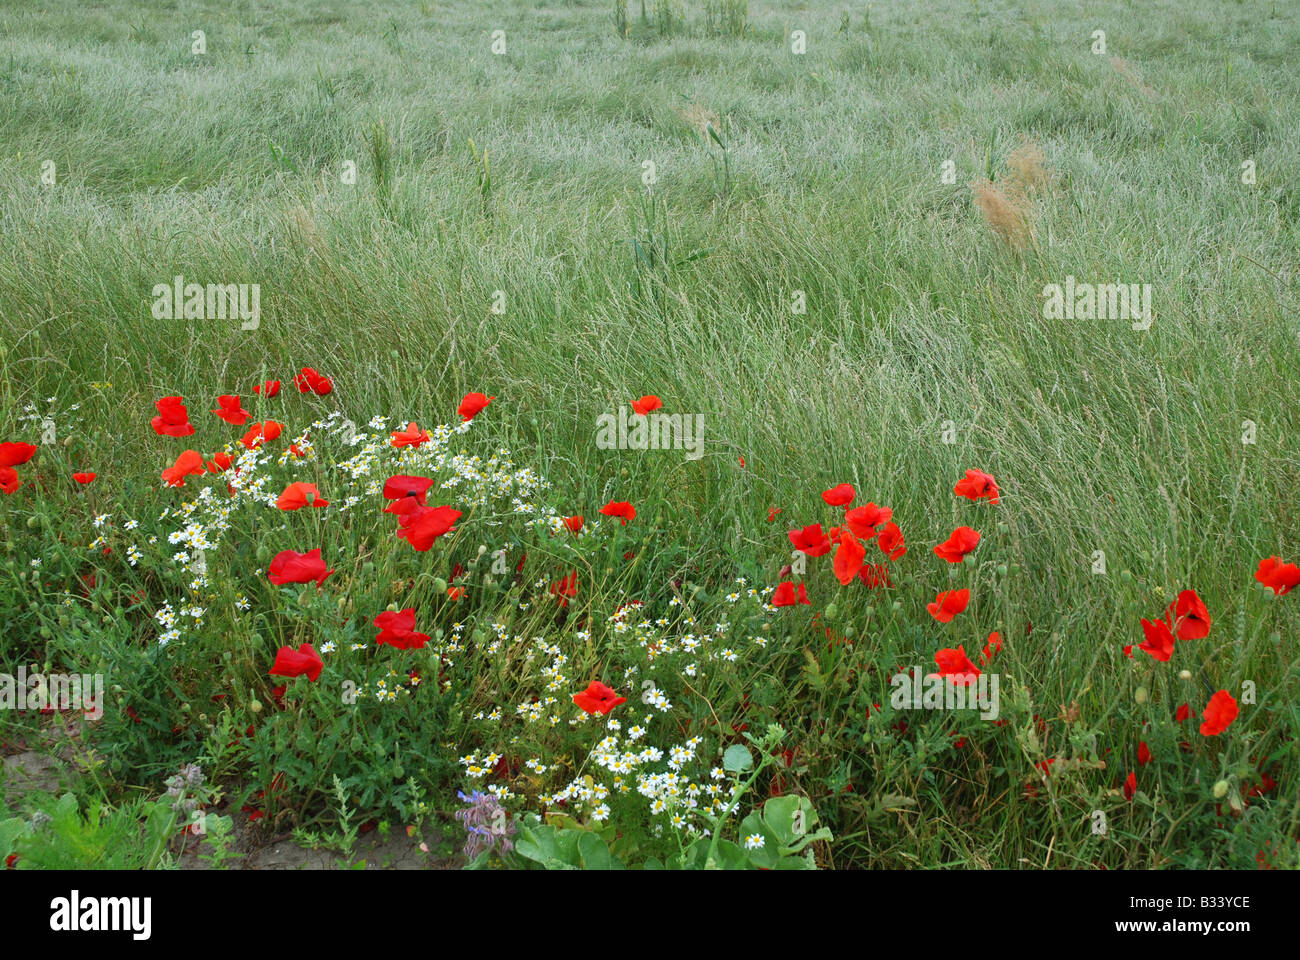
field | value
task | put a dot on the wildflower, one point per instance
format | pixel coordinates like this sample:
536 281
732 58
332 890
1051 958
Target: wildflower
948 604
397 629
864 520
288 566
173 419
1219 714
956 666
839 496
849 557
299 495
622 509
268 389
976 485
424 525
646 405
305 661
83 478
1279 577
786 595
598 698
230 410
811 540
187 464
310 380
472 405
962 541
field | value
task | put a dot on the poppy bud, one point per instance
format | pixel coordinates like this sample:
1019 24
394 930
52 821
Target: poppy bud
481 549
67 441
439 585
46 633
831 611
1275 637
33 522
368 569
304 596
1140 695
392 608
1220 789
1002 569
870 612
255 706
394 354
849 630
117 688
896 606
263 553
1014 568
185 707
1184 674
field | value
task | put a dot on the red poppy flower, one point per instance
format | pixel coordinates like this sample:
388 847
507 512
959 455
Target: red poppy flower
309 379
397 629
955 548
647 404
1159 641
83 478
956 666
567 587
1219 714
811 540
229 409
948 604
1130 785
574 523
875 575
619 508
413 436
220 462
16 454
890 541
173 419
864 520
260 433
839 496
977 484
848 557
772 512
9 481
305 661
268 389
1182 713
991 647
188 463
289 566
472 405
299 495
598 698
400 486
421 527
1190 615
785 595
1279 577
1144 753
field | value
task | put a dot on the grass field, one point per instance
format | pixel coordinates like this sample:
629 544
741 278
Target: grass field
831 238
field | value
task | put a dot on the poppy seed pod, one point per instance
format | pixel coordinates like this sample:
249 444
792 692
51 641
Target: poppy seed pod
1140 695
440 585
1184 674
1220 789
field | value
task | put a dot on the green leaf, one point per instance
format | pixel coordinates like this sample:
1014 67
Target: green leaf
737 759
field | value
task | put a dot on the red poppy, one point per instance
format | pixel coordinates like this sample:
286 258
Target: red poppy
875 575
400 486
956 666
309 379
413 436
1190 615
1219 714
839 496
1159 641
864 520
9 481
289 566
188 463
229 409
890 541
1130 785
811 540
1279 577
306 661
574 523
975 485
567 587
173 419
1182 713
268 389
991 647
260 433
220 462
785 595
848 558
421 527
299 495
619 508
1144 753
83 478
472 405
397 629
948 604
955 548
598 698
647 404
16 454
772 512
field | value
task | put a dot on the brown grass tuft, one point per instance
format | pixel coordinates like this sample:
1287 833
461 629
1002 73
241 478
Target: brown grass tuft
1007 205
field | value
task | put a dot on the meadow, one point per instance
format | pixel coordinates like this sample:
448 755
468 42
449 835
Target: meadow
824 232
